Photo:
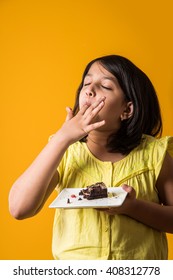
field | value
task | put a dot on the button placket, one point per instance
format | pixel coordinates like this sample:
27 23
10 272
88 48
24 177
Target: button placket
107 178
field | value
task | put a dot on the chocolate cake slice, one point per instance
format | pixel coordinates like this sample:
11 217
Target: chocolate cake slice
97 190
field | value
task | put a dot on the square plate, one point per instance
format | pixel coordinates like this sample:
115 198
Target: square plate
116 197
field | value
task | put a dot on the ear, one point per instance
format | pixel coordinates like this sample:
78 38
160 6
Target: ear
128 111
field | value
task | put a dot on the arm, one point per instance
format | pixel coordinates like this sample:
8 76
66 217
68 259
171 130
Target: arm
31 190
157 216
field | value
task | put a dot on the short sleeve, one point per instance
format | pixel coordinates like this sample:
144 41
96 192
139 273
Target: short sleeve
170 146
162 145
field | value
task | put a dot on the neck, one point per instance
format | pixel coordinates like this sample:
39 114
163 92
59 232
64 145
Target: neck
97 144
98 138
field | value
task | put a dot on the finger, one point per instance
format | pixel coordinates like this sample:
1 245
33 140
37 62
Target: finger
93 126
90 107
69 114
96 105
84 108
93 111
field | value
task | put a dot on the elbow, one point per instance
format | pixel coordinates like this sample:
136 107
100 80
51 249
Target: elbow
13 204
21 205
18 213
17 209
15 213
13 209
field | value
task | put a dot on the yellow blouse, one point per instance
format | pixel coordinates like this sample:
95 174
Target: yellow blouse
81 234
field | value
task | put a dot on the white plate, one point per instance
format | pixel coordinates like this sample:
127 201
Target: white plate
116 196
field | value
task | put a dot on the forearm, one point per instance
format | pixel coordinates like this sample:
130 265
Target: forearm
157 216
29 190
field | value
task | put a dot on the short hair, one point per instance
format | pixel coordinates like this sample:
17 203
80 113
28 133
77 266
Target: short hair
137 88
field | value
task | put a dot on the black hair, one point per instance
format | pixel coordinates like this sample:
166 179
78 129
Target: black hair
138 89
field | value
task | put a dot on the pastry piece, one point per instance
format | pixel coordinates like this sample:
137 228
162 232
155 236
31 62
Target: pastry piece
97 190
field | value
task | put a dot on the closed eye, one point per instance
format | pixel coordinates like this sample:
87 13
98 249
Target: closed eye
86 84
108 88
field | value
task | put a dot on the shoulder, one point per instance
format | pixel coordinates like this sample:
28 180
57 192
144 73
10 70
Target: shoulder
152 152
159 155
157 146
75 152
77 147
72 157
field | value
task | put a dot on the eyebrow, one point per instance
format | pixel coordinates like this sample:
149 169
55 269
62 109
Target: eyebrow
113 79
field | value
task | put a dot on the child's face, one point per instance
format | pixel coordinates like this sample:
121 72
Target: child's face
97 83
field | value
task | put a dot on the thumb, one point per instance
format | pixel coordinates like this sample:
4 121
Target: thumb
131 191
127 188
69 114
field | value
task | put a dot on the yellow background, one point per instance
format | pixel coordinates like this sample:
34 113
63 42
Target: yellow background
44 47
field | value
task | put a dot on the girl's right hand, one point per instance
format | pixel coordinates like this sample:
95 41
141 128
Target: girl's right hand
78 126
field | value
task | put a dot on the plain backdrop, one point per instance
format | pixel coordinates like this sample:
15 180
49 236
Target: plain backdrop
44 47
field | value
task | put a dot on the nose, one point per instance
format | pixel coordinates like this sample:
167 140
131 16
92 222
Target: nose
90 92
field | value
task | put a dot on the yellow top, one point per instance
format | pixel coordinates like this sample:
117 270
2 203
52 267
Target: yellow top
90 234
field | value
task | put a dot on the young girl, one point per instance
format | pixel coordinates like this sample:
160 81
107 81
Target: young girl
108 137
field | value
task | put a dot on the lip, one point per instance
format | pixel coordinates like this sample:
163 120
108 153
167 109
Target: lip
84 103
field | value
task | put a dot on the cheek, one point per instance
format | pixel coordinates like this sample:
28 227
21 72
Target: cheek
111 111
109 107
81 101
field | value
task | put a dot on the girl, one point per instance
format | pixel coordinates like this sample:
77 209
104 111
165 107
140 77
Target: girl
109 136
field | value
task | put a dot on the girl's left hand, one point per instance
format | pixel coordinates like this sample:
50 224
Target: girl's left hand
123 209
